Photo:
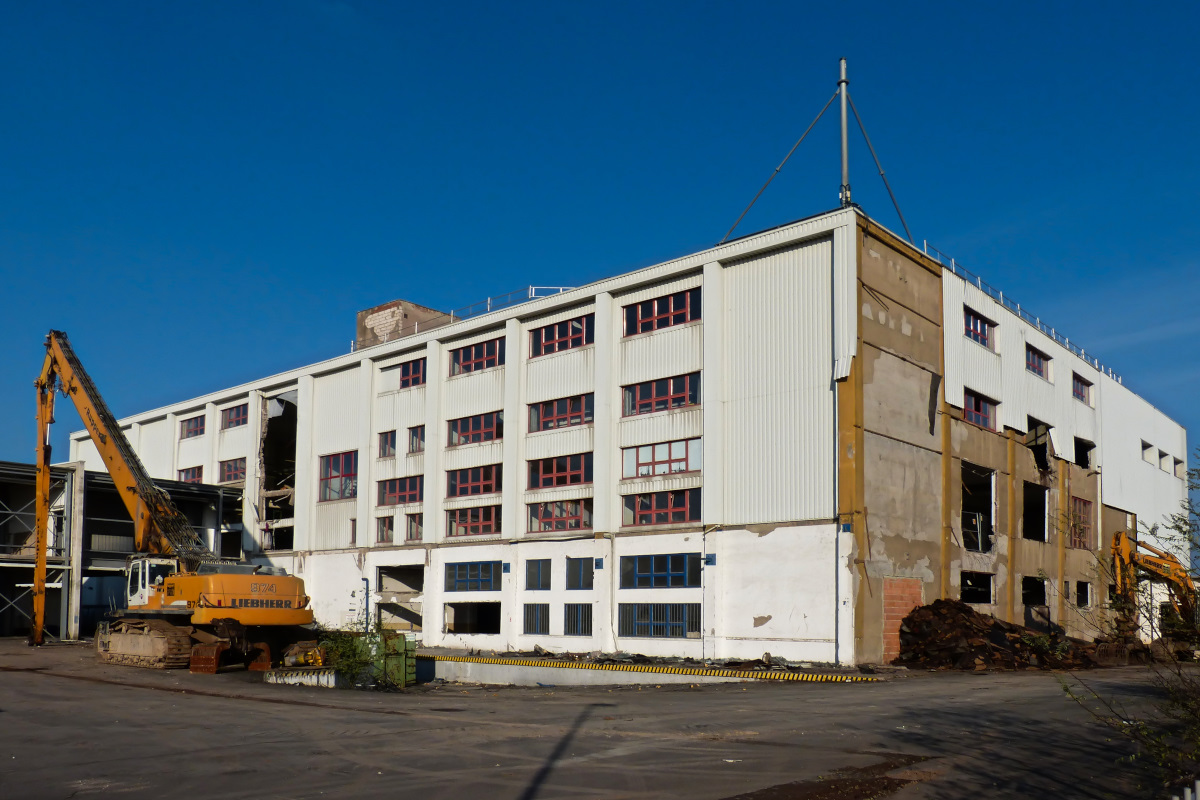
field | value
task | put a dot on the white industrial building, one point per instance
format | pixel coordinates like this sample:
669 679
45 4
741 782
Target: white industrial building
749 449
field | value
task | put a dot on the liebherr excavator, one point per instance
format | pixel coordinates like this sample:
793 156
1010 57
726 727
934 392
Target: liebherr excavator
184 605
1130 563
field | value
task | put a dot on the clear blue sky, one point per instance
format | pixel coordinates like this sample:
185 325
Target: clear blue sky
202 193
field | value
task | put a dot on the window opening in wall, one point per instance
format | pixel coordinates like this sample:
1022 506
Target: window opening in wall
1164 461
230 544
192 475
473 576
1033 591
1147 452
403 376
659 620
560 336
577 619
975 587
1037 439
978 328
192 427
474 357
977 508
385 530
277 468
416 439
353 531
1037 362
537 574
676 570
473 481
979 410
395 491
1033 512
476 521
1081 524
235 416
338 476
478 428
1083 594
414 524
662 312
579 573
572 470
232 470
562 413
662 394
400 593
1081 389
1083 452
387 444
1179 469
537 619
663 458
661 508
471 618
560 515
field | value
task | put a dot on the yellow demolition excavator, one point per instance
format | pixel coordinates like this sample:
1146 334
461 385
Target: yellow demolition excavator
1133 559
184 605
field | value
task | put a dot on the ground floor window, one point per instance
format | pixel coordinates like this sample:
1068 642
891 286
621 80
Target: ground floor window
577 619
975 587
537 618
473 618
659 620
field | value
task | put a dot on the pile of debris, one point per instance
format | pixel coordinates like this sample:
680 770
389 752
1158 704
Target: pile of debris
948 634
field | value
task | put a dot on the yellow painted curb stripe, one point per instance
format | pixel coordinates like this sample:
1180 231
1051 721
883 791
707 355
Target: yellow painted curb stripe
805 677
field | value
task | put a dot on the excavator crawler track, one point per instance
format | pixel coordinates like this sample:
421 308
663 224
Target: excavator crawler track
146 643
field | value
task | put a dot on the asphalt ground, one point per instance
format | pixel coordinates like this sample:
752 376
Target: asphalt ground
73 728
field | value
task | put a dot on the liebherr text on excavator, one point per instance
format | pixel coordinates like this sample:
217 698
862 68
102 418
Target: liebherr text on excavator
184 605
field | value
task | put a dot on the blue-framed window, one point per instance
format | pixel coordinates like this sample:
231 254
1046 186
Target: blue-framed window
659 620
676 570
537 618
537 574
577 619
473 576
579 573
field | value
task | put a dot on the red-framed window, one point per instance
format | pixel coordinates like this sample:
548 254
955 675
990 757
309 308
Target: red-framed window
978 327
414 526
191 427
661 508
416 439
662 312
478 428
561 413
663 458
412 373
387 444
1037 362
473 480
565 335
338 476
659 395
1081 388
385 530
563 515
1081 524
192 475
402 490
473 521
235 416
475 357
232 470
979 410
574 470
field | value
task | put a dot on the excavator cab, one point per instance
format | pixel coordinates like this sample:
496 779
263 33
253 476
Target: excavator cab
144 574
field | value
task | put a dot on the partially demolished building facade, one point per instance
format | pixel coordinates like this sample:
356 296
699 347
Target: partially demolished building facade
781 444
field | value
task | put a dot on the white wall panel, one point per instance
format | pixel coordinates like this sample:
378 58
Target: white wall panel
662 426
543 320
677 350
85 450
399 411
473 455
778 389
335 413
235 443
155 447
620 300
560 442
560 375
331 525
474 393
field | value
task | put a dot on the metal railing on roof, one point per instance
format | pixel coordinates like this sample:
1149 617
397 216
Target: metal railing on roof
513 298
1015 307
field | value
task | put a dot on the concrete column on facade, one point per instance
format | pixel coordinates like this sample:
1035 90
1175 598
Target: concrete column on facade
73 580
251 529
134 437
173 431
712 493
435 442
365 532
513 519
212 426
606 465
306 466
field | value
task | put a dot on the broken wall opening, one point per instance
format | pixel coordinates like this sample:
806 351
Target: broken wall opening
1038 440
975 587
400 593
1033 512
977 508
277 466
1083 452
472 618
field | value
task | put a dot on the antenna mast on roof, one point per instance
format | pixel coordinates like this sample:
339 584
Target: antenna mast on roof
843 84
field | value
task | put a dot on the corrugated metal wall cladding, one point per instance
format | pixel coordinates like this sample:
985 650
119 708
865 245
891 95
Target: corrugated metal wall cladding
400 410
779 399
670 483
154 446
336 412
560 375
474 393
331 526
563 442
470 455
981 370
658 290
550 319
559 493
234 443
671 351
664 426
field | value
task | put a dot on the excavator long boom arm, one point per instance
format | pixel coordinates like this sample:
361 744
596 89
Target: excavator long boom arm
1157 563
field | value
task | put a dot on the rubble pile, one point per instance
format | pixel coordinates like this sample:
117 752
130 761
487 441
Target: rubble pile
948 634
